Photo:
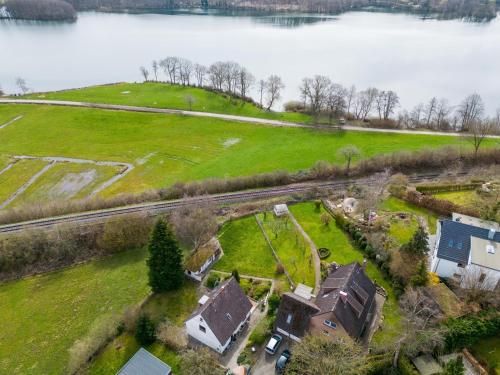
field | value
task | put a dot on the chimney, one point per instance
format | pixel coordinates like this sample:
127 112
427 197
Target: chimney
491 233
343 296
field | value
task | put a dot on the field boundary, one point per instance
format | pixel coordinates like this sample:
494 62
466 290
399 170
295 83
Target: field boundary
11 121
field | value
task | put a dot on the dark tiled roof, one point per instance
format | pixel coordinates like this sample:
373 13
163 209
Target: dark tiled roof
301 310
226 308
145 363
454 242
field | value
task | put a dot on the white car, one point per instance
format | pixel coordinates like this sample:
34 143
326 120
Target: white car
274 344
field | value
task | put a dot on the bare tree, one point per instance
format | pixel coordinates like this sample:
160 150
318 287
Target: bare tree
245 82
190 100
442 112
216 75
274 85
231 76
145 73
386 102
416 115
262 90
470 111
364 103
200 71
200 362
477 131
2 93
349 152
170 65
430 111
21 84
194 224
184 71
155 67
315 90
336 100
351 95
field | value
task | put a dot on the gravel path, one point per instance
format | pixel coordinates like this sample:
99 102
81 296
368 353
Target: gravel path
253 120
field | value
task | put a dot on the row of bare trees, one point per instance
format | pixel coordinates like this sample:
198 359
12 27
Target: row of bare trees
223 76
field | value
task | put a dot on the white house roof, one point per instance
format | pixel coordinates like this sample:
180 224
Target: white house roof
481 256
470 220
145 363
281 208
304 291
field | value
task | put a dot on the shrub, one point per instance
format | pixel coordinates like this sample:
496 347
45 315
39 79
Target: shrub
406 367
212 281
466 331
280 269
273 302
323 253
236 275
145 330
294 106
171 335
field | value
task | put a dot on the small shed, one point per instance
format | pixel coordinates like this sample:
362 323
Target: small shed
200 260
145 363
349 205
280 209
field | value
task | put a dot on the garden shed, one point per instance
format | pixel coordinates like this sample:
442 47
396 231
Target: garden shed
145 363
200 260
280 209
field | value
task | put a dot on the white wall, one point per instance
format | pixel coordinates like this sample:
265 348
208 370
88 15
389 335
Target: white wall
208 338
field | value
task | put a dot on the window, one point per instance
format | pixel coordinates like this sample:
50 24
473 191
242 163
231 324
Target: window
450 243
330 324
289 319
461 265
482 277
202 329
459 246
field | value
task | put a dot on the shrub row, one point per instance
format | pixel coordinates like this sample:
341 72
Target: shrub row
32 252
431 189
403 161
439 206
467 330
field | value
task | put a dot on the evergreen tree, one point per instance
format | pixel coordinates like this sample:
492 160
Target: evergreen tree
421 278
419 244
145 330
165 260
236 275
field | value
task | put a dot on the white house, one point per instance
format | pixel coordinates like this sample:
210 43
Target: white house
468 250
220 316
199 261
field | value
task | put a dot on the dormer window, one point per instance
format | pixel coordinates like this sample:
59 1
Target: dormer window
289 319
450 243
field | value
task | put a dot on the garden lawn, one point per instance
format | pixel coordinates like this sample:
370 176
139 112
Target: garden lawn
292 249
170 148
402 230
487 351
20 173
44 315
343 252
398 205
463 198
120 350
245 249
164 95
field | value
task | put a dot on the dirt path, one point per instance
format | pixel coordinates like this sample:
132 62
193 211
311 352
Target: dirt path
253 120
11 121
314 253
9 166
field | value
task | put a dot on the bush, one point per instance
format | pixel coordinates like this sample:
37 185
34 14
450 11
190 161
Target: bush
212 281
273 302
294 106
280 269
466 331
145 330
171 335
323 253
406 367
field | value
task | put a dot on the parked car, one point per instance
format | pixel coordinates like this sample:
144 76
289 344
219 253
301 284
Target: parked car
273 344
283 361
342 121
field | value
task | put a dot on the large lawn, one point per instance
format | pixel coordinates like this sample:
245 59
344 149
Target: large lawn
245 249
170 148
161 95
397 205
343 252
293 251
43 315
462 198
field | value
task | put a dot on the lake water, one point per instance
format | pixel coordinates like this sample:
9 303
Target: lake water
417 58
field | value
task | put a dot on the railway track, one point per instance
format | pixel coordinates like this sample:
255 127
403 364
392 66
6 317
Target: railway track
156 208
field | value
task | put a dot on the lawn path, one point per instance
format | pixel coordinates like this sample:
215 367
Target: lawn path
30 182
314 253
254 120
9 166
11 121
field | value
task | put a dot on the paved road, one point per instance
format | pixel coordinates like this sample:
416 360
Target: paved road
254 120
155 208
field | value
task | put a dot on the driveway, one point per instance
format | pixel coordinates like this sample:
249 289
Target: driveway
265 363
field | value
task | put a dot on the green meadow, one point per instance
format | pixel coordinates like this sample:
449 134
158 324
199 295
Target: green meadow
169 148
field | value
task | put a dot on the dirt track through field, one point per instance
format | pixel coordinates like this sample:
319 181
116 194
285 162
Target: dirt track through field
11 121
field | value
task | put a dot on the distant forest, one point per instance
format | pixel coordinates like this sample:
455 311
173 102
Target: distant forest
472 10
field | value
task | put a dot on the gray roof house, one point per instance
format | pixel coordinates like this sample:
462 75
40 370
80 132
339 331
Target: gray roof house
145 363
220 316
467 249
344 306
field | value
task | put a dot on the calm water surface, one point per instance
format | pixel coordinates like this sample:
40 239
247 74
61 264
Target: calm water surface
417 58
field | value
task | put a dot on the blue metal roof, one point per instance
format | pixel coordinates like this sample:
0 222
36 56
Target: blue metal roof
454 243
144 363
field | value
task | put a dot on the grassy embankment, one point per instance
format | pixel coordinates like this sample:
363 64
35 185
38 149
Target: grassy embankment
170 148
12 179
162 95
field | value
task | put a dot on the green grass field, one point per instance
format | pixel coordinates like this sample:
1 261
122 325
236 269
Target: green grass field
343 252
462 198
397 205
162 95
245 249
293 251
44 315
170 148
17 176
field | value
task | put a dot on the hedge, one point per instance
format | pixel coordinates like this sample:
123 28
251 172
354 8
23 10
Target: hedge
431 189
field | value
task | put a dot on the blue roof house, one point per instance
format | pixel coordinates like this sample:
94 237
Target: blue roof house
145 363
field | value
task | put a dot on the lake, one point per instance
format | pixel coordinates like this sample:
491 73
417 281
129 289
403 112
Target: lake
417 58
